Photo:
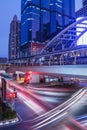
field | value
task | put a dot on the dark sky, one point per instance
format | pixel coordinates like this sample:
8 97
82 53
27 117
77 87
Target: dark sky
8 9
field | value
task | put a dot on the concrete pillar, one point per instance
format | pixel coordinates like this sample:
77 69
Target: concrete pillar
17 77
35 78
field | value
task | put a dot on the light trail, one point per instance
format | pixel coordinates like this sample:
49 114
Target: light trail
53 115
58 113
51 121
58 107
36 108
31 104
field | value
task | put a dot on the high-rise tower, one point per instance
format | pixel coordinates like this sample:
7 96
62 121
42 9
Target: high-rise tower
82 11
14 39
41 20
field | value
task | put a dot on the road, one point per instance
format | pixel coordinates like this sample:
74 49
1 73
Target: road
43 98
34 102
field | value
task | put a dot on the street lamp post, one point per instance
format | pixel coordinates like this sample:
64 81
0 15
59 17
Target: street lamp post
3 88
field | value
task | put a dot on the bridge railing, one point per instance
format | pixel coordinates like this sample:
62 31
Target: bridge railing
77 55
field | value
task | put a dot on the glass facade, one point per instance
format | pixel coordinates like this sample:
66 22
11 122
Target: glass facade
43 19
14 39
84 2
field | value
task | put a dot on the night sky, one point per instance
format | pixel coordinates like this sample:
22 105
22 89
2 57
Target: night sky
7 10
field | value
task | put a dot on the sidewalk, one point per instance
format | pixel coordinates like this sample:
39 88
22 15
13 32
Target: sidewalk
9 122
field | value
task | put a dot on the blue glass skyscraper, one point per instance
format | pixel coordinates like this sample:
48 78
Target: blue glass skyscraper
43 19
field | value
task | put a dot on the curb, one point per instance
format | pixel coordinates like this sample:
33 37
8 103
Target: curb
8 122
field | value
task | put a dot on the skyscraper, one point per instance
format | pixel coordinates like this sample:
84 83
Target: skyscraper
43 19
14 39
83 11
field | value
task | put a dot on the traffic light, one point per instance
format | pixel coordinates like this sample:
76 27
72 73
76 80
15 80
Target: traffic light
12 95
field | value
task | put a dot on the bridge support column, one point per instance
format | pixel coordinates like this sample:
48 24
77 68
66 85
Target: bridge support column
62 59
35 78
75 60
17 77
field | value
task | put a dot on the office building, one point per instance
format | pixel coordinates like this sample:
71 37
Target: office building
36 48
41 20
82 11
3 60
14 39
